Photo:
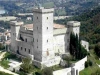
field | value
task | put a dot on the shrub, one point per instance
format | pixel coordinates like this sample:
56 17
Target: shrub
88 54
86 64
47 71
90 63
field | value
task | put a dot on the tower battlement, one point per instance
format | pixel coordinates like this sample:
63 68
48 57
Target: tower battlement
43 10
16 23
73 23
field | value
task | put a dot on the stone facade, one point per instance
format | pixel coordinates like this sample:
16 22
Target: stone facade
42 40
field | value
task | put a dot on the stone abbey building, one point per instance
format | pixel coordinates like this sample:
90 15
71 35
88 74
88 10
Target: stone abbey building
43 41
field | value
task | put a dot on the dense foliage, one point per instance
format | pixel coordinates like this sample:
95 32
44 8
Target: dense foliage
1 46
11 7
96 72
97 49
5 25
90 27
76 49
27 65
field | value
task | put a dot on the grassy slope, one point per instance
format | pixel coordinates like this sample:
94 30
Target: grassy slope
89 70
3 73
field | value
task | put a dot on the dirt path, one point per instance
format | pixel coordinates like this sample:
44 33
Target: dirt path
2 55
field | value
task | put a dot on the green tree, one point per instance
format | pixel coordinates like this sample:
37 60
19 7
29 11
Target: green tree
67 59
86 64
27 65
76 50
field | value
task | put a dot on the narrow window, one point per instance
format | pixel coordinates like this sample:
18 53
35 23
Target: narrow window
37 40
37 46
47 18
47 27
33 39
47 41
25 49
21 48
37 28
26 39
37 17
29 51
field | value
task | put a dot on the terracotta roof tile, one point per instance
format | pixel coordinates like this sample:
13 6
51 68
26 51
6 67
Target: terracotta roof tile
58 26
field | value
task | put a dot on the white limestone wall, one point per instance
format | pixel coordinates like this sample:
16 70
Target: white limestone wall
59 44
43 34
47 36
74 70
66 71
85 44
78 66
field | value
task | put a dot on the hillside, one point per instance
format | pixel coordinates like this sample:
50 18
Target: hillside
90 25
90 28
72 7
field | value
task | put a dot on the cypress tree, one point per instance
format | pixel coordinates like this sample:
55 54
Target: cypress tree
76 50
